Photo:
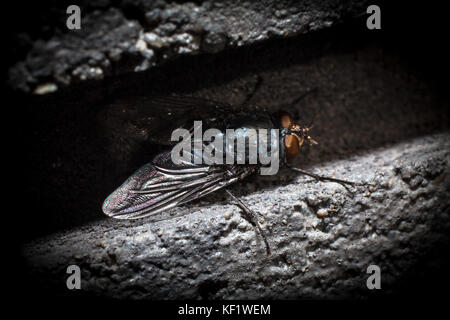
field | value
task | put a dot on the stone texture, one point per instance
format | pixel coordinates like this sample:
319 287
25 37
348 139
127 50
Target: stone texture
323 237
135 36
379 113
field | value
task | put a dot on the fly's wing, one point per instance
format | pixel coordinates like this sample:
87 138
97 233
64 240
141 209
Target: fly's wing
162 185
156 117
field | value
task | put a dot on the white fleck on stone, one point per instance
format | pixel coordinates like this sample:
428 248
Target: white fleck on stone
143 66
228 214
141 45
154 40
45 88
96 73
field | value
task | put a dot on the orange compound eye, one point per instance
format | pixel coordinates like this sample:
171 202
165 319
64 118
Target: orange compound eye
286 119
292 147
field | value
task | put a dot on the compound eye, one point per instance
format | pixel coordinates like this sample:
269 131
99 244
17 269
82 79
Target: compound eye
286 119
292 147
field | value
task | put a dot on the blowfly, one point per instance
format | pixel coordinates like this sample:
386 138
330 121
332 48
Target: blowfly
161 185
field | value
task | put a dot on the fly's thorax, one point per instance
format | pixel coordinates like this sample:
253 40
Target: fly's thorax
246 135
260 120
246 145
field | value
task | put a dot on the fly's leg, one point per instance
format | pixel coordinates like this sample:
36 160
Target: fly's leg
344 183
259 81
292 105
252 93
252 217
303 95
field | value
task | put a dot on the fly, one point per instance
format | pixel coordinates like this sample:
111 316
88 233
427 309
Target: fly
162 185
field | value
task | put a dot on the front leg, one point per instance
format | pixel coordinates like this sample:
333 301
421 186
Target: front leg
344 183
323 178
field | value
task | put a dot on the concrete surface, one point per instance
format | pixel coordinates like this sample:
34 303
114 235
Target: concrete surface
126 36
323 237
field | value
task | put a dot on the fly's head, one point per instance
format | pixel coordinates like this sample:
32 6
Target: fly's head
295 136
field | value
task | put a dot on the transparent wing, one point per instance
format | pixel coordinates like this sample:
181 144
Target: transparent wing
162 185
157 117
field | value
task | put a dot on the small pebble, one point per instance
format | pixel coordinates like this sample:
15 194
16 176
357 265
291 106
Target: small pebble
228 215
322 212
